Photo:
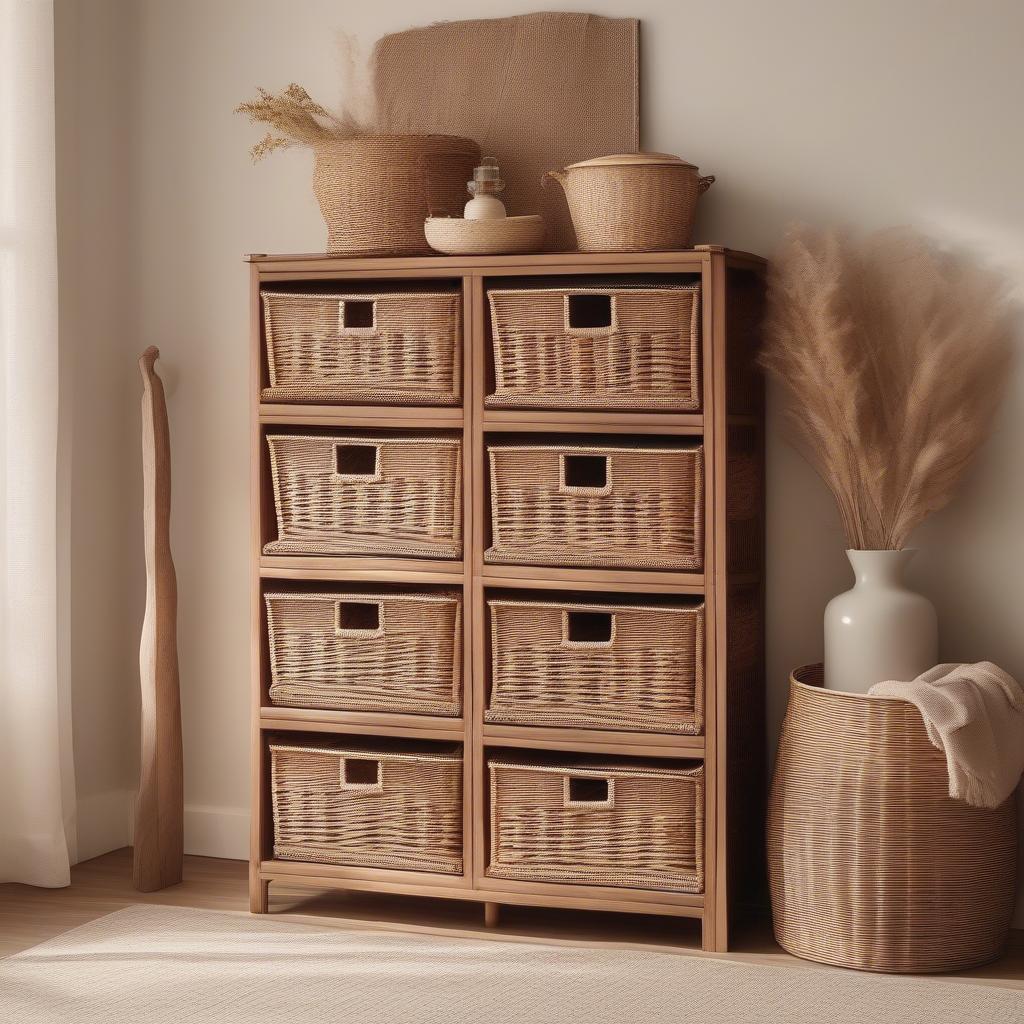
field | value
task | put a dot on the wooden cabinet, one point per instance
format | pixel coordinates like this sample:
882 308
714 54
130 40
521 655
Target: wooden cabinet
599 484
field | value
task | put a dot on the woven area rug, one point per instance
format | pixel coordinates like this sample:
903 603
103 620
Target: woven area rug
161 964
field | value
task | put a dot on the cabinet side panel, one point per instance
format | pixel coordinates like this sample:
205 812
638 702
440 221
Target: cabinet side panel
747 776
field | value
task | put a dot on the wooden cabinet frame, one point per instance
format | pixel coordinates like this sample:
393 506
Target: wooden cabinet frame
732 746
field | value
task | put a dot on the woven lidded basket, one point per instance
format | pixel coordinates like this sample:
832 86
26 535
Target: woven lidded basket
367 495
871 864
387 347
596 348
398 652
601 666
375 191
387 808
594 505
632 202
637 824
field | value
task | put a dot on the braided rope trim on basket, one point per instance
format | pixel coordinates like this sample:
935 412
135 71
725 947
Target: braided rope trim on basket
416 669
649 837
416 355
423 511
648 676
410 821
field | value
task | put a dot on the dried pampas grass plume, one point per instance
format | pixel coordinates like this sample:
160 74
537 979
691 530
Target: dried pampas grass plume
296 119
894 356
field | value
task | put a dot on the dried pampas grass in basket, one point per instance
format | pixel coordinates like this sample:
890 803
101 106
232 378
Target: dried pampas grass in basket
893 355
296 119
375 190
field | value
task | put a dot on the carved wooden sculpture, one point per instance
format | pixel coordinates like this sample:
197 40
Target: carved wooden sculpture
158 809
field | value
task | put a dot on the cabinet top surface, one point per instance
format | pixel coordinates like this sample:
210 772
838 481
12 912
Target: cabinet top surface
697 254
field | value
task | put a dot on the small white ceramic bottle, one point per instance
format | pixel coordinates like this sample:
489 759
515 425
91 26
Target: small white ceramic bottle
486 184
880 629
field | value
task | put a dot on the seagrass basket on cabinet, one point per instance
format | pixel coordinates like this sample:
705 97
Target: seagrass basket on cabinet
632 202
376 191
367 494
628 824
395 807
596 347
602 666
375 346
362 651
597 505
872 865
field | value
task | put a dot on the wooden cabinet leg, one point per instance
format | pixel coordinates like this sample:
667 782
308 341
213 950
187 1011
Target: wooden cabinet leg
259 895
713 940
492 914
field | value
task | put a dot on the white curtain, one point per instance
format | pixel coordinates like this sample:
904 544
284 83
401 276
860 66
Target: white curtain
36 791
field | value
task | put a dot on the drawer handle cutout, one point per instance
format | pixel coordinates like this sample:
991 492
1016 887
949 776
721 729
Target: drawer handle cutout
585 474
361 773
589 313
358 462
357 315
587 791
361 620
588 629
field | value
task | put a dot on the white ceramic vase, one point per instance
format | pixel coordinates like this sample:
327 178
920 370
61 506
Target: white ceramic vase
879 629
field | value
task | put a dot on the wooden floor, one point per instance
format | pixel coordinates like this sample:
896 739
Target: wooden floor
29 915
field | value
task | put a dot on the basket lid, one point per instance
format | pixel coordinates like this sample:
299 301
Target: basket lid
633 159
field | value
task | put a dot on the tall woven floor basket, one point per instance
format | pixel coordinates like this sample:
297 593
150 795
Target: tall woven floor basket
871 864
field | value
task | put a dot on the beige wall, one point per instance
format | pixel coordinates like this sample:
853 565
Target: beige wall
871 113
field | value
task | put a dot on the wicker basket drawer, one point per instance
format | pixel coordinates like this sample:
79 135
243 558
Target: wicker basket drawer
596 348
599 666
638 507
366 652
367 495
638 825
388 808
372 347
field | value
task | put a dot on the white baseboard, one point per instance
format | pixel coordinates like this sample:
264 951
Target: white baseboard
105 821
217 832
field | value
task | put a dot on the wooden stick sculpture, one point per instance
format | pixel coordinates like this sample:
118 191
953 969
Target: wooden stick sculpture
159 807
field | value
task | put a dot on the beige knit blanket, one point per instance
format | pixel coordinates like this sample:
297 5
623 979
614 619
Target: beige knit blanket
974 714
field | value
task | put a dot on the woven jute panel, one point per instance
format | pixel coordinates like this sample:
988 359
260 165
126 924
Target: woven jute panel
330 811
366 652
871 864
409 353
647 357
375 191
645 830
649 513
538 91
548 668
409 502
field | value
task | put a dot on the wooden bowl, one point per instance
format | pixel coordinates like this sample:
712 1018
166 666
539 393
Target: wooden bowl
459 237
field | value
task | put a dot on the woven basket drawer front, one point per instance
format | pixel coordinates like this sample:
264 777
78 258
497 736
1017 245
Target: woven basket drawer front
333 806
647 355
367 495
385 347
636 508
366 652
597 666
640 826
